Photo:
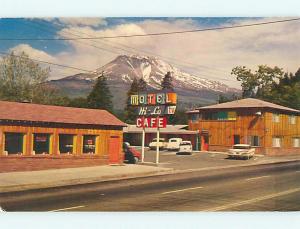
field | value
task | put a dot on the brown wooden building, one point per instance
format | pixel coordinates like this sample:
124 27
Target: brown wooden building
271 128
42 131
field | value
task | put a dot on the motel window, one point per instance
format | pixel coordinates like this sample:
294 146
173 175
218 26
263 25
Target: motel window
210 116
89 144
277 141
254 140
292 119
41 143
275 117
195 117
66 143
296 142
222 115
14 143
232 115
207 116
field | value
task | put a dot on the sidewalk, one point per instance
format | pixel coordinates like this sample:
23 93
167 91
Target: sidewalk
29 180
20 181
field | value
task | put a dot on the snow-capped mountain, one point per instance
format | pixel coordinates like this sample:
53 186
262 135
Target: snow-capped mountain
123 69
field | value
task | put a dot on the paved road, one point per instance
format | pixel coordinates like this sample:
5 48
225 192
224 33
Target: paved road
196 160
273 187
206 160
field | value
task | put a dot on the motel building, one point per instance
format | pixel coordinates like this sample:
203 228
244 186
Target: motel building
270 128
45 132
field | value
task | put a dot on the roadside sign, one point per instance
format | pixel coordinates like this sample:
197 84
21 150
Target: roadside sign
152 99
152 109
156 110
153 122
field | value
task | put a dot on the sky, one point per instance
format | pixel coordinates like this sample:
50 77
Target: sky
209 54
201 51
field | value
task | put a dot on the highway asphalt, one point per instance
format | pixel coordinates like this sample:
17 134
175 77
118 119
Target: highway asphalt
273 187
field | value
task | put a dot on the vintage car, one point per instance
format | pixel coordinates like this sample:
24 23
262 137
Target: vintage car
241 151
185 148
131 155
174 143
162 144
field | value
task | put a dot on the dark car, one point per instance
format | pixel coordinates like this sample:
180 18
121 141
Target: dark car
132 156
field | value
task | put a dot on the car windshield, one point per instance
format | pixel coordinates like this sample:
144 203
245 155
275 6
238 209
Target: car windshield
241 147
185 143
173 140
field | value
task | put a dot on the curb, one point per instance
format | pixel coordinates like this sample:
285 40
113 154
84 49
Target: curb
34 186
224 153
164 171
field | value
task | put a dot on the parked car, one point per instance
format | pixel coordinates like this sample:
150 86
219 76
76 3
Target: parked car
174 143
185 148
162 144
241 151
131 155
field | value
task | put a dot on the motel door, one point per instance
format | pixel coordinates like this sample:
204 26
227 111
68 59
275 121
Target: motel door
204 142
114 148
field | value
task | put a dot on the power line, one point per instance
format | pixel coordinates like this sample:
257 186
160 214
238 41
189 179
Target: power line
163 57
47 62
41 27
177 61
152 34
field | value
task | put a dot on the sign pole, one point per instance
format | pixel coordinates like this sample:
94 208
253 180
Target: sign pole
143 142
153 104
157 143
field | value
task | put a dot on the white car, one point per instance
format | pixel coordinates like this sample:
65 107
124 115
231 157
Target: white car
174 143
243 151
185 148
162 144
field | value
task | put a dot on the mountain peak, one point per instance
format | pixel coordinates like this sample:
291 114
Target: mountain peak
123 69
153 69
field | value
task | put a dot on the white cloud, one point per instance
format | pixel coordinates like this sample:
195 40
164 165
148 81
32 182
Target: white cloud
36 54
220 51
33 53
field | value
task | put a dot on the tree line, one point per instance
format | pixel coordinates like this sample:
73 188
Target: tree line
268 83
23 80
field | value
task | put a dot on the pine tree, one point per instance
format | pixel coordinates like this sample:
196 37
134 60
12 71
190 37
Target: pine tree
166 83
100 97
130 111
142 85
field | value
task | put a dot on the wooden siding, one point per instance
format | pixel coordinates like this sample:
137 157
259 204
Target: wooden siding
102 136
283 129
221 132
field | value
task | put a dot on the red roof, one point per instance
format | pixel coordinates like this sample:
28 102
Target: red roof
56 114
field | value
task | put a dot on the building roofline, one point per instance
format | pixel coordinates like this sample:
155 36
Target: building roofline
246 103
39 113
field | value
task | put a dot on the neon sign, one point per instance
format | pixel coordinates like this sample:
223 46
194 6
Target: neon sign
169 98
159 122
157 105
